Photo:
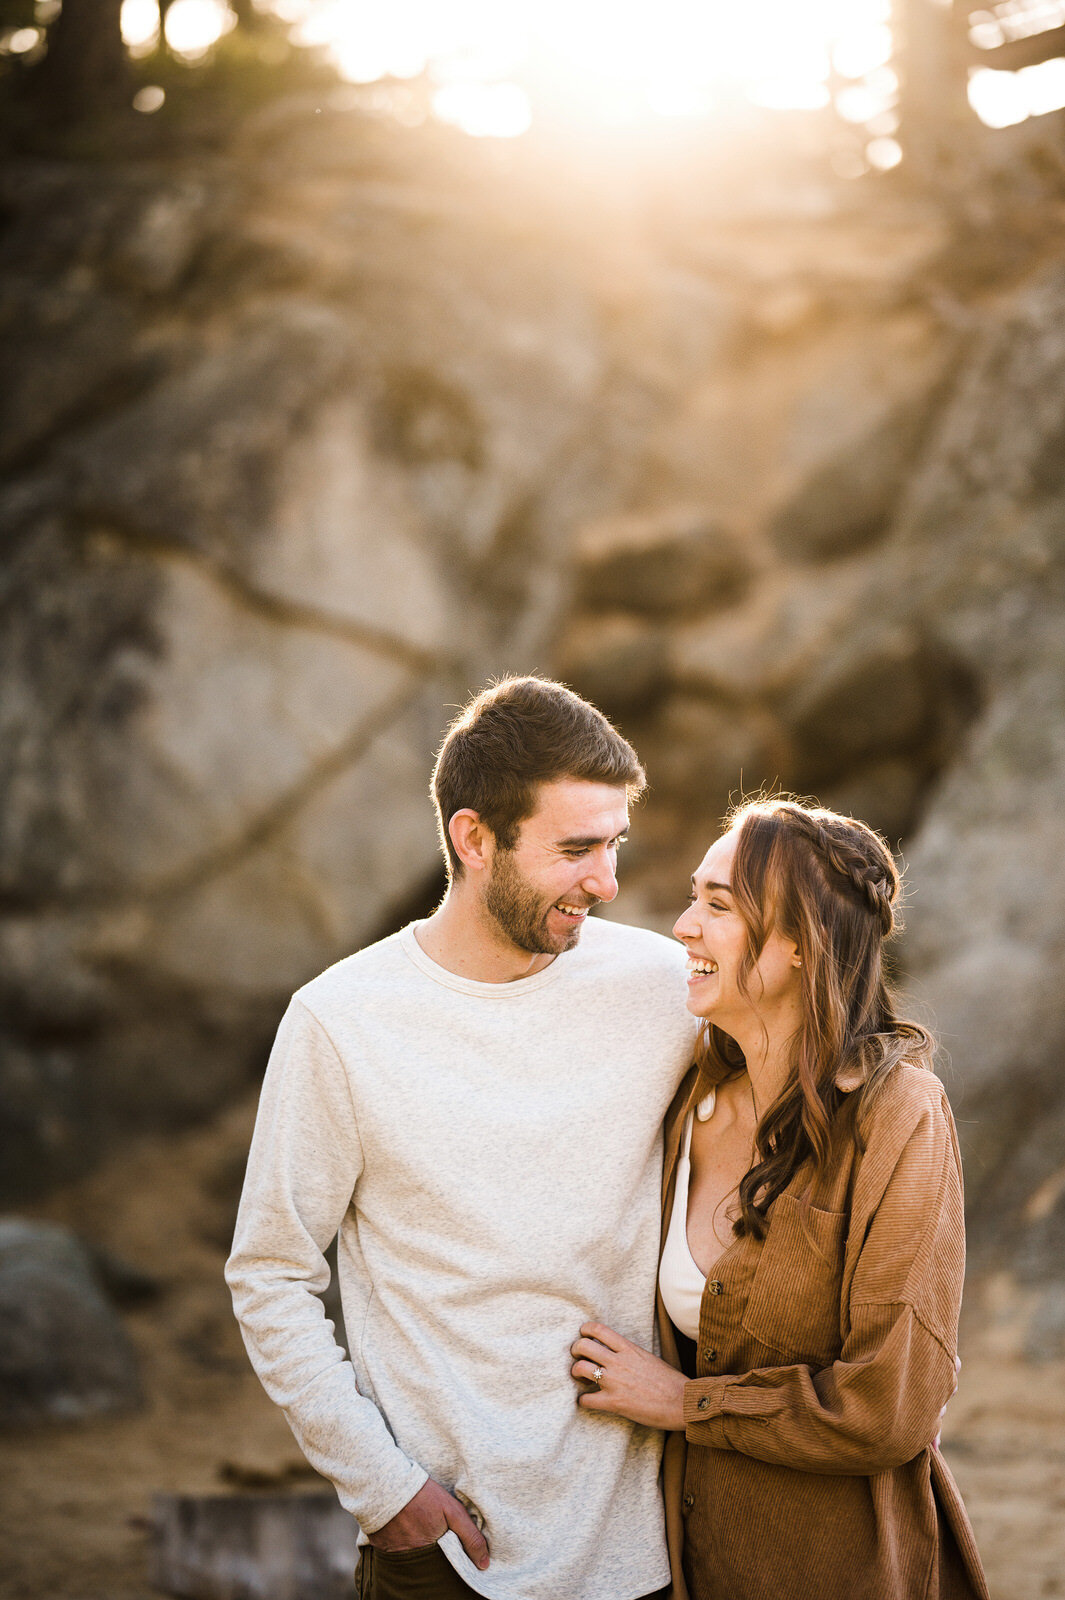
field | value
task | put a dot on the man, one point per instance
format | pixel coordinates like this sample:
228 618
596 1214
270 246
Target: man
473 1104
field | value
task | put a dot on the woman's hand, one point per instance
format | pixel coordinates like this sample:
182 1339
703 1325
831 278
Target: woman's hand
634 1383
937 1442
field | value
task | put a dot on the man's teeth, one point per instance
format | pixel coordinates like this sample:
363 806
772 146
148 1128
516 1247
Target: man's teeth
572 911
704 968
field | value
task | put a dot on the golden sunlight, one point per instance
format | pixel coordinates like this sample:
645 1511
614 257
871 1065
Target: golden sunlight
494 67
497 64
192 26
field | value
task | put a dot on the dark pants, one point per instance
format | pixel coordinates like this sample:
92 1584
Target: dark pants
422 1574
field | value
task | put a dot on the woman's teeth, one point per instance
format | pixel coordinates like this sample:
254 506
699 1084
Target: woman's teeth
701 968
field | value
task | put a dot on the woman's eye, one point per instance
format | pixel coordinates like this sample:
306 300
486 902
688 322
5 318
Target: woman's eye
717 905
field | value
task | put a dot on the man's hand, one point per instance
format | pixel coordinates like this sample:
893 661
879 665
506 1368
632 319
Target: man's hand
426 1518
634 1383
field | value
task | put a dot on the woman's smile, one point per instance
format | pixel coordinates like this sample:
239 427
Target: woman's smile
700 968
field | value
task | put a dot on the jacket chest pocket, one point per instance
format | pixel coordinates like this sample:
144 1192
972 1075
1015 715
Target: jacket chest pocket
794 1303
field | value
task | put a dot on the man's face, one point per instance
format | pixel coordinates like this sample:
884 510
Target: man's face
565 862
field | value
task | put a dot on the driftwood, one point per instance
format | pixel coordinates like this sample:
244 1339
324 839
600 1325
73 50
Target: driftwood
253 1547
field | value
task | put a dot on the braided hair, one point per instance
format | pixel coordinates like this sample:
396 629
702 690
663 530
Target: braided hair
829 883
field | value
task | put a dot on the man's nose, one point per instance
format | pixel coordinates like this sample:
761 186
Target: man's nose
602 879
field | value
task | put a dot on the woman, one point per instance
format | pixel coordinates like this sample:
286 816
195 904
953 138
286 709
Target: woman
812 1267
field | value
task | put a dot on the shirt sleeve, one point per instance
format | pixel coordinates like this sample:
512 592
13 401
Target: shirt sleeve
304 1164
878 1405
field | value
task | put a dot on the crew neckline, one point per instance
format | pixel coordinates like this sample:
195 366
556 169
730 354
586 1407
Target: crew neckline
452 980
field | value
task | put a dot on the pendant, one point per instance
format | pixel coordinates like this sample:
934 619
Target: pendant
705 1109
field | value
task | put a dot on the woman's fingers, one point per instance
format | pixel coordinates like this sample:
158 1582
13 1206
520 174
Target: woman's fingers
629 1382
592 1400
592 1349
603 1335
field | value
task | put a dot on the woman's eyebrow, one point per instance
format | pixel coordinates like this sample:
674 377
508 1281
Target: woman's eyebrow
709 884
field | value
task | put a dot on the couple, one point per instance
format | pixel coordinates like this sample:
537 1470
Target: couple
474 1106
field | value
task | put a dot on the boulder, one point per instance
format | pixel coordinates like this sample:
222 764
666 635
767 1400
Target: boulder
769 642
64 1355
121 764
885 691
63 354
887 794
849 503
662 563
616 660
701 753
253 1547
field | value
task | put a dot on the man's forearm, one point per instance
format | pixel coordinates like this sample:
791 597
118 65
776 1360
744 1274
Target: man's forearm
303 1167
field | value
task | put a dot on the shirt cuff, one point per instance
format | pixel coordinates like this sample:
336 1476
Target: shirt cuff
710 1403
703 1421
385 1508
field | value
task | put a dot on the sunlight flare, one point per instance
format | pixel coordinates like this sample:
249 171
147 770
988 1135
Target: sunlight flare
606 61
1002 99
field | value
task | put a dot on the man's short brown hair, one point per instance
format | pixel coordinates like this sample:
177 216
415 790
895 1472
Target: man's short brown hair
512 737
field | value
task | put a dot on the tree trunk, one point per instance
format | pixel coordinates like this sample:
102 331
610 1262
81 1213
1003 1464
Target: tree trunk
84 76
936 120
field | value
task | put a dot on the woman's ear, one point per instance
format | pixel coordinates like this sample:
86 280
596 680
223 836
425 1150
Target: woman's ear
472 839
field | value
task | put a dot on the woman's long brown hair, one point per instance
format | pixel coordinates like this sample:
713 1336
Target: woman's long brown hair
829 883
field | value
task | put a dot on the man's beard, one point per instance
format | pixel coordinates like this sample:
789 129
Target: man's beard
521 912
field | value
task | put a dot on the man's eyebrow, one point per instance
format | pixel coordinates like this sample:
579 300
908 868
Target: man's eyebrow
585 843
708 883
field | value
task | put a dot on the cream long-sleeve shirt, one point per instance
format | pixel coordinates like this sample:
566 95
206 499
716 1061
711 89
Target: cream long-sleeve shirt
490 1156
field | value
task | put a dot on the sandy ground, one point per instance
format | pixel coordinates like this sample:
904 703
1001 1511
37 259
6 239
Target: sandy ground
76 1500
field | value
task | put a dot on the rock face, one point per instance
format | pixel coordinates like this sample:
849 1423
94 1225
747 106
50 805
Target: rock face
983 537
915 676
274 515
64 1354
344 422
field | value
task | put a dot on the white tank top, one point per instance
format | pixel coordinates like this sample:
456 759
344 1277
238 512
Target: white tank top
679 1278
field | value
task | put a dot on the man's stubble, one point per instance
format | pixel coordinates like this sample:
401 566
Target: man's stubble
521 912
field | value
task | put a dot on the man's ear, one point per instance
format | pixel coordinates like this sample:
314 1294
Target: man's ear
473 840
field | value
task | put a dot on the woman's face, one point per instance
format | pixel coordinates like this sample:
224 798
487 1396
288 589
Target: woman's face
715 936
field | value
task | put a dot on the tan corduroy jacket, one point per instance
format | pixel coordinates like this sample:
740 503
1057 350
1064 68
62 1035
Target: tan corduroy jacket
825 1353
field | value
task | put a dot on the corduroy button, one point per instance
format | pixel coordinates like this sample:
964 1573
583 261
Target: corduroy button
710 1354
716 1286
689 1501
704 1403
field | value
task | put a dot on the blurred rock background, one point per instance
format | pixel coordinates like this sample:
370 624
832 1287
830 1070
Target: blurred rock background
311 422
